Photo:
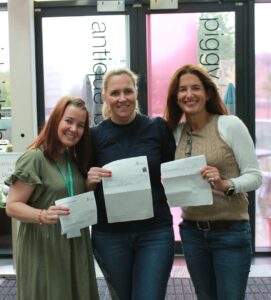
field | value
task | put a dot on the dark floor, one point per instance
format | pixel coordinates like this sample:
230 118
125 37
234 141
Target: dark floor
259 288
178 289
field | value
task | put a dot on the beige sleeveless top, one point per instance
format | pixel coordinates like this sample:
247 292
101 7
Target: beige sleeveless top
208 141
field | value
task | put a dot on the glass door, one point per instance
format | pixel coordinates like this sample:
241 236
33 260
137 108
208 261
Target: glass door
5 134
199 38
263 125
76 46
77 51
207 36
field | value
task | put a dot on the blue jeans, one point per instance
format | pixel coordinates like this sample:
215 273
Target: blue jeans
136 265
218 260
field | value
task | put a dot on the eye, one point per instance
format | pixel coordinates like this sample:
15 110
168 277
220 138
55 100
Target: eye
114 93
128 91
69 121
196 88
182 89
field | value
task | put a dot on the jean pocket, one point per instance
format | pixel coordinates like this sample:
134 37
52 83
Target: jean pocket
240 226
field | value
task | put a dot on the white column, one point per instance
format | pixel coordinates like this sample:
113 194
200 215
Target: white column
22 80
22 73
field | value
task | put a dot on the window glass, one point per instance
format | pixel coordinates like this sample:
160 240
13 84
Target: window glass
5 114
199 38
207 39
77 51
263 123
5 133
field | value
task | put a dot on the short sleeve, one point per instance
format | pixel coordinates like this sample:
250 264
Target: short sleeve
28 168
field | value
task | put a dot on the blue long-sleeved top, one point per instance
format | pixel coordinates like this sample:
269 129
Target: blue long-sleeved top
143 136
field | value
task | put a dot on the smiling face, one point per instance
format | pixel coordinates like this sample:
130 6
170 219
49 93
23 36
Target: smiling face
192 96
120 96
71 126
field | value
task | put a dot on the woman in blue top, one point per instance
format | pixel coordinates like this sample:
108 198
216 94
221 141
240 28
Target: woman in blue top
135 256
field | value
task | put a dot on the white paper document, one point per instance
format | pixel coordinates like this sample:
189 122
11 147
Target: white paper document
183 183
83 213
127 193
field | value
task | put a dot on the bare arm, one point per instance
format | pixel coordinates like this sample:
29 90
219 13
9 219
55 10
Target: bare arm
17 207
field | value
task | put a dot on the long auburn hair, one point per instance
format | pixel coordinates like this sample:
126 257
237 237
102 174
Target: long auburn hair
173 113
48 140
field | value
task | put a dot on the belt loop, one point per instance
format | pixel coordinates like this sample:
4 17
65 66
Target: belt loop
208 228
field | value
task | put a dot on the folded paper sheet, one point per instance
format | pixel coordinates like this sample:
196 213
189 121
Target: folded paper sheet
183 183
127 193
83 213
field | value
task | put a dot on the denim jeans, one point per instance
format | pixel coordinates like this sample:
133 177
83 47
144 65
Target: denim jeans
136 265
218 260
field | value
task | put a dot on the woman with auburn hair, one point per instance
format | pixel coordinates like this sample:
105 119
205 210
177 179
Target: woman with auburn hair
49 265
173 111
216 238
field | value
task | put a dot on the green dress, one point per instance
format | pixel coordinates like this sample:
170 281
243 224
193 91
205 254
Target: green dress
50 266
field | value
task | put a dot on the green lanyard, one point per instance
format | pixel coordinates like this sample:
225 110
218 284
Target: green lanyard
68 181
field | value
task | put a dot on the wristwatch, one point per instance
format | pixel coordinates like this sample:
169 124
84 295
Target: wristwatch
231 189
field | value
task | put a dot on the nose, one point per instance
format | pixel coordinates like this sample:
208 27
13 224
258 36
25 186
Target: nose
122 97
189 92
73 127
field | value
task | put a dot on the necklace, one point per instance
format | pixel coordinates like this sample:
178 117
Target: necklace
189 139
68 181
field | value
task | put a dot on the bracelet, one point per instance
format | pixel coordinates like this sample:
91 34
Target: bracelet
40 217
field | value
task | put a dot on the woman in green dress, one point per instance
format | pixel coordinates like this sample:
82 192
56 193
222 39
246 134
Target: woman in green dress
49 265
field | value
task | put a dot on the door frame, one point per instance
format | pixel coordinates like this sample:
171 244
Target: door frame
245 66
244 54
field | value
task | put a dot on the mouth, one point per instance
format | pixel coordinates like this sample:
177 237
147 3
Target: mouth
190 102
70 136
124 106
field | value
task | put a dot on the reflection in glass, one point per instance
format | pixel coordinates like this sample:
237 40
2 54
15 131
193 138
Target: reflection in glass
5 130
5 112
263 123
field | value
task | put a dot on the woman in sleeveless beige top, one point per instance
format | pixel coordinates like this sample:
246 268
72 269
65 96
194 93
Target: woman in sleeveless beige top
216 238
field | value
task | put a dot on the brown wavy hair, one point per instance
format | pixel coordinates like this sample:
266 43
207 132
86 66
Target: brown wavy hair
173 113
48 140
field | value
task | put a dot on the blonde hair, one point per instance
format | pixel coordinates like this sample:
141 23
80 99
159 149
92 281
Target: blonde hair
106 113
